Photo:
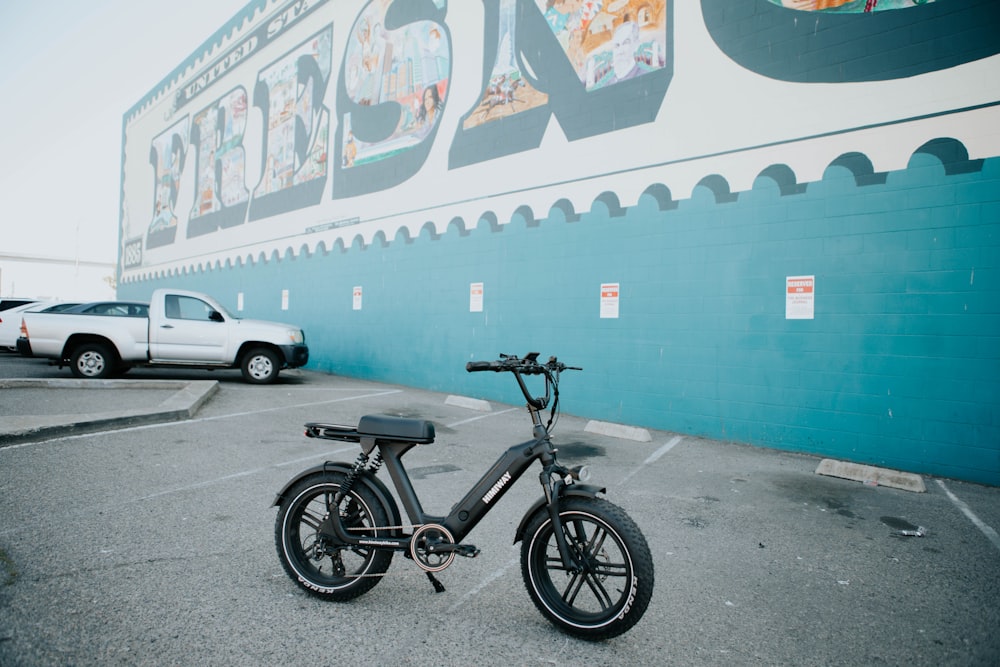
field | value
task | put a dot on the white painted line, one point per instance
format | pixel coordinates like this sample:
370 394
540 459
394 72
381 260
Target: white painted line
244 473
654 457
483 584
663 450
988 531
231 415
475 419
296 406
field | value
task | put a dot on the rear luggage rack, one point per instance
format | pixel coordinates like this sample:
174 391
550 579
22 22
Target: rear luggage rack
332 432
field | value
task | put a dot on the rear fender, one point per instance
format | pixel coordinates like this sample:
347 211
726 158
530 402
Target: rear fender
373 483
584 490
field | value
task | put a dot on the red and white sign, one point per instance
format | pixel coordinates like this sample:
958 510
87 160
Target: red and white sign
609 300
475 297
800 297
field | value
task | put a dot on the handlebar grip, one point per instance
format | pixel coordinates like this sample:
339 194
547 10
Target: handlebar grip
476 366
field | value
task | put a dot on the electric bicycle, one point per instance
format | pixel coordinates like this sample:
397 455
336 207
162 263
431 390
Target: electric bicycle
585 563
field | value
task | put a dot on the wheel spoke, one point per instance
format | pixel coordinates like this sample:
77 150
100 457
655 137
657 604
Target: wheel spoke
573 588
609 569
310 519
597 588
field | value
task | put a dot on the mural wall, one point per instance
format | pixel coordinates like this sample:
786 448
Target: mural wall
429 164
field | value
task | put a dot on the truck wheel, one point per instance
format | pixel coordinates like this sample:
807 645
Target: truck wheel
260 366
93 360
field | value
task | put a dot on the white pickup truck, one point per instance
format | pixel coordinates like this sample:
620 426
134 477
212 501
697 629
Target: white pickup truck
179 328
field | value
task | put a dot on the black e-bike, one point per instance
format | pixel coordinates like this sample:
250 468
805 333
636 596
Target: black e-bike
585 563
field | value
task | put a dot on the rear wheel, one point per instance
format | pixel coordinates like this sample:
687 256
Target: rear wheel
312 556
610 587
93 360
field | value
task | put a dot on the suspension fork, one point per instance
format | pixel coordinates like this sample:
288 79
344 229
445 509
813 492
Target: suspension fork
552 491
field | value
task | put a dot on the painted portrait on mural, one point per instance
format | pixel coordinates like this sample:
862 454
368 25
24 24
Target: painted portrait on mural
408 67
608 41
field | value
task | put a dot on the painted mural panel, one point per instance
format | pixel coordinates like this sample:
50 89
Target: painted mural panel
315 122
838 41
394 85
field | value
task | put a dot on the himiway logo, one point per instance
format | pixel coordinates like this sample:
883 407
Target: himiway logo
495 489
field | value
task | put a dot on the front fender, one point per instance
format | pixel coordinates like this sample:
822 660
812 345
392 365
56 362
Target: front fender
374 484
587 490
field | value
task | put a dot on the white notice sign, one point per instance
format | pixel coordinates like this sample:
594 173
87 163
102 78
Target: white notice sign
475 297
609 300
357 297
800 297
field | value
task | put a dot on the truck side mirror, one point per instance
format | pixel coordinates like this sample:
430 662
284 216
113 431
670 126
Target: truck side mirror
216 316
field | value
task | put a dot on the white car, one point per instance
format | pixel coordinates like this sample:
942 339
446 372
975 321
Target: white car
10 319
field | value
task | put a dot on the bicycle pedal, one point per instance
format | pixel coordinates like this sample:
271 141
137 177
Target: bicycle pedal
467 550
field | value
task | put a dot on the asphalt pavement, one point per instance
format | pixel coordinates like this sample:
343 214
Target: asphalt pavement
146 537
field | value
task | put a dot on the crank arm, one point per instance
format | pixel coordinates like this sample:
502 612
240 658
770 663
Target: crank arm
467 550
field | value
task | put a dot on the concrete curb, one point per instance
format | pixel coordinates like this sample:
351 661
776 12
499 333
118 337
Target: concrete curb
871 476
184 403
618 431
470 403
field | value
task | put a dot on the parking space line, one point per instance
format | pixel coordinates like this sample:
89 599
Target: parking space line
297 405
195 420
654 457
477 418
987 530
244 473
489 579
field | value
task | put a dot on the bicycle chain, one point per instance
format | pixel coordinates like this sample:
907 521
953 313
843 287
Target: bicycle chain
386 574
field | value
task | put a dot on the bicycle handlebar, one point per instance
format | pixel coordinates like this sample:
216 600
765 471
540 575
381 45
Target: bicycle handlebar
529 365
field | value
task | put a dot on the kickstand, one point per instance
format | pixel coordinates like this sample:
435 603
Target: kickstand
438 586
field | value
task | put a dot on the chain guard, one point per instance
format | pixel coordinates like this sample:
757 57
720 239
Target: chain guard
425 539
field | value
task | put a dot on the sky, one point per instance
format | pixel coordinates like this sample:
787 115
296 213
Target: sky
70 70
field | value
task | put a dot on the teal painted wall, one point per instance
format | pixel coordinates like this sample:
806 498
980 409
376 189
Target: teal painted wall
900 366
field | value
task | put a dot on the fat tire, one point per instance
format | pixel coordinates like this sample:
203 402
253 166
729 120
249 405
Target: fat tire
93 361
260 365
613 591
341 572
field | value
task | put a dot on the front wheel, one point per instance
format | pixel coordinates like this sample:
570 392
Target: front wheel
313 556
608 590
260 366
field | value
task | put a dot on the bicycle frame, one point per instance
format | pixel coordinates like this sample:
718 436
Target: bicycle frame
468 512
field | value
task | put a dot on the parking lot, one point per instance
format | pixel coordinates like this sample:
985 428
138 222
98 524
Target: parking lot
154 545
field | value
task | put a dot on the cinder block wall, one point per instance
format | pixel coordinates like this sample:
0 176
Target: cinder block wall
900 366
